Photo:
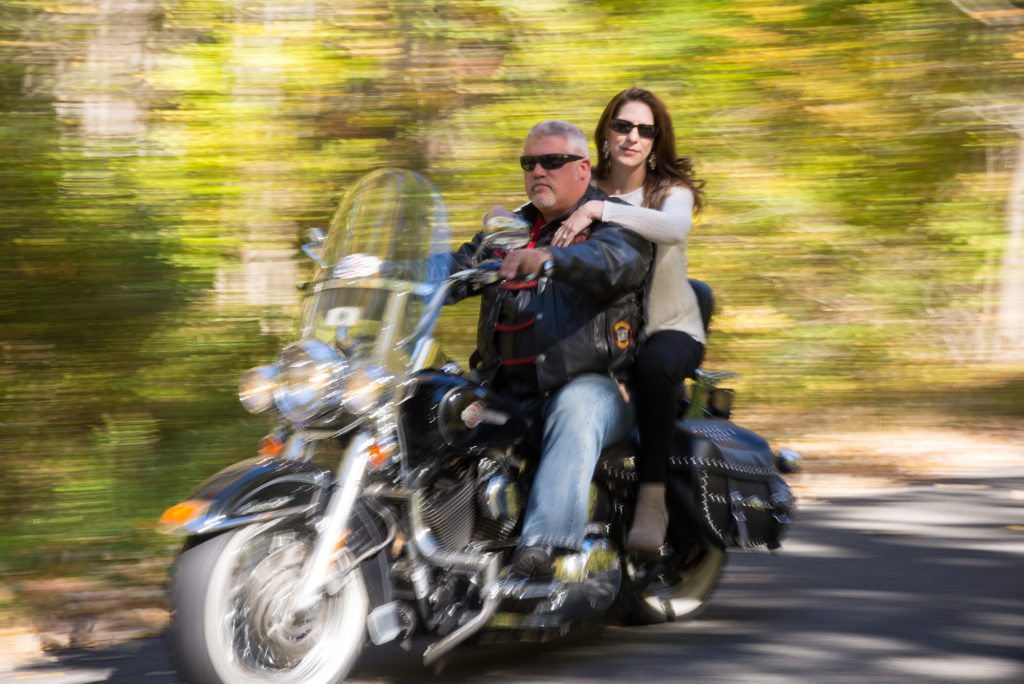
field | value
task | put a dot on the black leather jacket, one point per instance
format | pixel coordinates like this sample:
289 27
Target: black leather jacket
532 338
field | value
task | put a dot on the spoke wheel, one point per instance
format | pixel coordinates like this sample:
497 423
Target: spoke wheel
234 621
681 590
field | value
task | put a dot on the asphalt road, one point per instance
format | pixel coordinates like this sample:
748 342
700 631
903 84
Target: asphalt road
923 583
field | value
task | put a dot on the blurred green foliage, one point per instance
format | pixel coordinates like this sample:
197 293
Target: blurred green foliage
160 159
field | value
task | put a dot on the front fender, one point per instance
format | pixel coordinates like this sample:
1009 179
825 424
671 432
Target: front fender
251 491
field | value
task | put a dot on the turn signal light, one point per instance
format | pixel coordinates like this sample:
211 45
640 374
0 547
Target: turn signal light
181 514
380 453
271 446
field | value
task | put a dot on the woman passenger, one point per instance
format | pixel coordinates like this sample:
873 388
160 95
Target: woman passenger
638 164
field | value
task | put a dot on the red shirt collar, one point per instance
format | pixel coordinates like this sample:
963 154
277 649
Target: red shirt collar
535 232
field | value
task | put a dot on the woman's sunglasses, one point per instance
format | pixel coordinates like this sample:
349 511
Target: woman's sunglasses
622 126
547 161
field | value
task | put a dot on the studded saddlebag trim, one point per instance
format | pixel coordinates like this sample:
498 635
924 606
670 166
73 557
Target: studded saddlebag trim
723 478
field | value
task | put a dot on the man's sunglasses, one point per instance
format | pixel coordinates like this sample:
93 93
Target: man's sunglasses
547 161
622 126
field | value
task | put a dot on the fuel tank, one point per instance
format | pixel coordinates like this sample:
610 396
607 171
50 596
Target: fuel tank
448 413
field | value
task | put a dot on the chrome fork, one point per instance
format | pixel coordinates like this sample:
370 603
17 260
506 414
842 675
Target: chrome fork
346 489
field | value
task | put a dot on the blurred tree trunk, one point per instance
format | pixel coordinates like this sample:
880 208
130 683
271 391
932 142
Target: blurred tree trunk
99 83
1009 320
268 269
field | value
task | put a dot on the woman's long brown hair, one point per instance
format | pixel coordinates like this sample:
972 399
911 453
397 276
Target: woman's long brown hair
669 170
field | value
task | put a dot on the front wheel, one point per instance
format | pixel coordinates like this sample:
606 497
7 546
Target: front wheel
233 621
681 590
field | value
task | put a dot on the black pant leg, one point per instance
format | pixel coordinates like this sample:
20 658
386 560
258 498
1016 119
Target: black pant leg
665 359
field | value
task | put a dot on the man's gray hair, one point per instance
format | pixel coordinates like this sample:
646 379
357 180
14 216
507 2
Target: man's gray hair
573 135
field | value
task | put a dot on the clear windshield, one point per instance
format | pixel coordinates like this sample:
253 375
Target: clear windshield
389 216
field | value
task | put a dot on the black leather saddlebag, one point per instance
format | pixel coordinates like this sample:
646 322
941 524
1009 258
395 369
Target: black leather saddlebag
724 480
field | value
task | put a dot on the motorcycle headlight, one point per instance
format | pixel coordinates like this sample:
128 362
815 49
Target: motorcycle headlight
308 381
256 390
363 389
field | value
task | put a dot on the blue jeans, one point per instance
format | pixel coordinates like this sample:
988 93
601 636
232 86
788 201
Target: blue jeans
583 417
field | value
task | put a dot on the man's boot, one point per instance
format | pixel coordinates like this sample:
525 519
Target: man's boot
533 560
650 521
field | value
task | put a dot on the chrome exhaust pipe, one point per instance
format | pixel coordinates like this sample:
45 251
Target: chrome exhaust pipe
422 539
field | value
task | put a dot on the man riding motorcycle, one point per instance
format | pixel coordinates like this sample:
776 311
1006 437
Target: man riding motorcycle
557 344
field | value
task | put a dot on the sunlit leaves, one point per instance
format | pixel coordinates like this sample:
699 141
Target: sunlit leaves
857 154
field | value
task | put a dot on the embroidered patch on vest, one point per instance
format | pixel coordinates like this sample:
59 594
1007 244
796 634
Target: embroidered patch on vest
623 334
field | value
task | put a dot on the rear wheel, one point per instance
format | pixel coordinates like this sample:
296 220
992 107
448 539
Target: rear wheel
680 590
233 618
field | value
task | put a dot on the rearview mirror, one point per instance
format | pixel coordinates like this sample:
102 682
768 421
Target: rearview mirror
515 235
314 246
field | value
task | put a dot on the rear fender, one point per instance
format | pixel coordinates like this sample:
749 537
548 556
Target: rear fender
248 492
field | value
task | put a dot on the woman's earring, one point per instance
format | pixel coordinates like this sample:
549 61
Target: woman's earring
604 150
652 161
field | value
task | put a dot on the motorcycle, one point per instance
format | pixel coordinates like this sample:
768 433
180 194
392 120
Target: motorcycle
290 566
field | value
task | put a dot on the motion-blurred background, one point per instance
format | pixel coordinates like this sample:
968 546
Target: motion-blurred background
864 233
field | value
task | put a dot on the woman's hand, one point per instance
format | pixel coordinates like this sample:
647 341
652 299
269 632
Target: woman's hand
577 222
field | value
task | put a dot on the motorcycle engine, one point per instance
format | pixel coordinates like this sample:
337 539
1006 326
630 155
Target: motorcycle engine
499 499
478 502
449 511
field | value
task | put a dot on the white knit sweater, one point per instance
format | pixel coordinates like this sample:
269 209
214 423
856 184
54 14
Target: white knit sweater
673 305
